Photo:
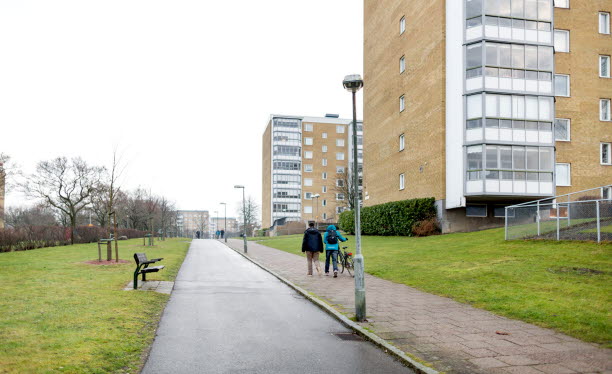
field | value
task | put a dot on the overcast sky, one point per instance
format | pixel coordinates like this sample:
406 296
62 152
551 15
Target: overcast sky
183 89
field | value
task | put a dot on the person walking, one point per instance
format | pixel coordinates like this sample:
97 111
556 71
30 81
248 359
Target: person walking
331 239
312 244
222 233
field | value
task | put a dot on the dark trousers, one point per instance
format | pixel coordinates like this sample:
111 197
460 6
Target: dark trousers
334 257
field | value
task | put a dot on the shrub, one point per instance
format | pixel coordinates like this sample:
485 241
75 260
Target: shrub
426 227
393 218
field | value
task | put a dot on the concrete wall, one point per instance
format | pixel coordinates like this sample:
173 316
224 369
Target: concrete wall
423 84
586 88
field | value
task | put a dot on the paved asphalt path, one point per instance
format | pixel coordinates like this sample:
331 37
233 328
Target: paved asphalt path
227 315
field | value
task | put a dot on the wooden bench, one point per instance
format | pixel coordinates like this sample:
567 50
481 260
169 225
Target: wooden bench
142 267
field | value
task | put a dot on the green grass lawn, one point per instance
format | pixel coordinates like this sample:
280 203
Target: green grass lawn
607 229
534 281
59 314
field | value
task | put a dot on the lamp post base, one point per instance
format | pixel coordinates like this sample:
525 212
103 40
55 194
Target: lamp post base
360 296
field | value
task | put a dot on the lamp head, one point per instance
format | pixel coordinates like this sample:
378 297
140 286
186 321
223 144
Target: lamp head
238 186
353 82
316 195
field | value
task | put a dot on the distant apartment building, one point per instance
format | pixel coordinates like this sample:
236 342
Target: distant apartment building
305 166
190 221
485 103
231 226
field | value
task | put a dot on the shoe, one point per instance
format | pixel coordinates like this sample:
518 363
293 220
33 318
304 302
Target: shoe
335 274
318 270
327 274
310 275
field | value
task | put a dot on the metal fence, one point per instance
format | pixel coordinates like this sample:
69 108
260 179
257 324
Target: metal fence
583 215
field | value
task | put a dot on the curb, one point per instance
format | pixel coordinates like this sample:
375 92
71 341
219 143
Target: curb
394 351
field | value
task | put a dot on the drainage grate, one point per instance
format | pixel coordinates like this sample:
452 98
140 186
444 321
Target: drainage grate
348 336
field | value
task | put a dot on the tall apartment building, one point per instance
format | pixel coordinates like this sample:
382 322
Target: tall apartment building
304 157
485 103
191 221
232 225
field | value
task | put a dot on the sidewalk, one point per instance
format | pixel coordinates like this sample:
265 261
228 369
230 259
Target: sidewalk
454 337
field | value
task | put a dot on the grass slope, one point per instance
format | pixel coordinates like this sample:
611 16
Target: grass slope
59 314
534 281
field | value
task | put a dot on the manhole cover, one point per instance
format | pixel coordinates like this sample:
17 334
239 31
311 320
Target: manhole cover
348 336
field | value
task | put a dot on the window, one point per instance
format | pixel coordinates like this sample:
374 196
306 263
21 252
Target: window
307 209
476 210
324 135
402 64
604 66
340 169
308 154
308 141
340 209
308 182
324 215
402 25
339 196
402 103
499 211
562 172
562 3
324 149
308 168
402 142
340 156
324 175
308 127
339 183
606 193
562 129
324 162
339 129
605 158
286 165
604 109
562 40
339 142
307 195
324 189
402 181
562 85
323 203
604 23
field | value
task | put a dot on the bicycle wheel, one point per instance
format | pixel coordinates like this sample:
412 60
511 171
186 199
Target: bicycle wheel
350 265
340 262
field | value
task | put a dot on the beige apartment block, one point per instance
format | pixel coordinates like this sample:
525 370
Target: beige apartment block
191 221
231 226
305 160
482 104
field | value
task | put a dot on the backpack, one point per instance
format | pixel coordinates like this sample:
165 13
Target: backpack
332 237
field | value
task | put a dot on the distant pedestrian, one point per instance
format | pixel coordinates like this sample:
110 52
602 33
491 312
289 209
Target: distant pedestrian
331 239
312 244
217 233
222 234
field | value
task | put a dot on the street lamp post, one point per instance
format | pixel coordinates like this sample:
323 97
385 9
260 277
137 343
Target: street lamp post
316 196
353 83
244 216
224 221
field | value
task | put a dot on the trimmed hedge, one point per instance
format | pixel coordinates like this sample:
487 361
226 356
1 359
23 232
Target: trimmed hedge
396 218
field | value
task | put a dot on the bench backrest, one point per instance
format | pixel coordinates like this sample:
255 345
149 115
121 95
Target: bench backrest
139 258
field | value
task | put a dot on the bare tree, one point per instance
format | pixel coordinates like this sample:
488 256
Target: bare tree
344 186
166 213
135 210
201 222
30 216
250 211
65 185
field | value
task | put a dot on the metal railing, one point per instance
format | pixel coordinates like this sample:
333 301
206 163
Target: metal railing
582 215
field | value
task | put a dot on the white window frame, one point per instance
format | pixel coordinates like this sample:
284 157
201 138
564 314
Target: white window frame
308 141
324 149
606 26
471 215
339 142
307 195
324 189
569 93
604 74
339 182
308 127
402 25
402 181
569 126
340 196
308 182
566 47
308 168
402 64
324 215
308 155
402 103
402 142
340 156
601 148
569 174
308 209
324 135
340 169
562 4
604 116
339 129
324 175
324 203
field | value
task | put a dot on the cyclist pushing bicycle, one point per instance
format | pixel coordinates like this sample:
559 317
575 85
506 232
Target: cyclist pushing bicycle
331 239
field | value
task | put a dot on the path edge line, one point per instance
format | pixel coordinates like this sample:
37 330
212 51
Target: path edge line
382 343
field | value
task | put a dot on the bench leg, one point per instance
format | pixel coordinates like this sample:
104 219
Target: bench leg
136 280
144 277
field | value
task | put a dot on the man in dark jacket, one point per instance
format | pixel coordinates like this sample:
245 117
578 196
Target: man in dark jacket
312 244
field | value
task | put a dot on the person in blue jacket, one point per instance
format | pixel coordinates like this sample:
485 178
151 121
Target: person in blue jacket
331 239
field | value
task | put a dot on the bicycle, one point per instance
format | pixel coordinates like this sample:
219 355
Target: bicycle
345 260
